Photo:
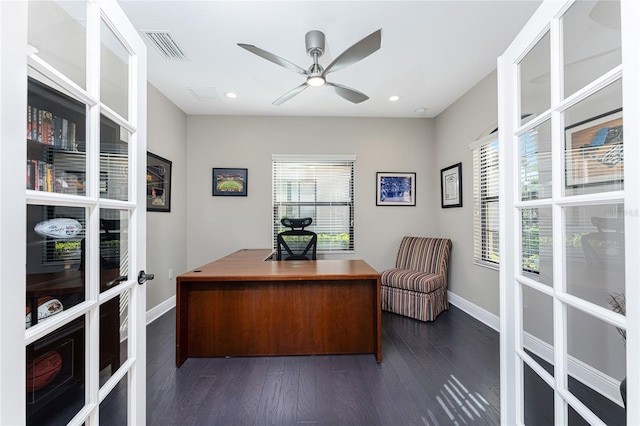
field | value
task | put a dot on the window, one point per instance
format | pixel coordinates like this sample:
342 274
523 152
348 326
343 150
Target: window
535 163
486 222
320 187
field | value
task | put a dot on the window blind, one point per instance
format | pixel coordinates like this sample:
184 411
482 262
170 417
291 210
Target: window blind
486 220
320 187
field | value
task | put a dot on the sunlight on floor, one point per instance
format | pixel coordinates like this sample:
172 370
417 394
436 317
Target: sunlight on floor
461 405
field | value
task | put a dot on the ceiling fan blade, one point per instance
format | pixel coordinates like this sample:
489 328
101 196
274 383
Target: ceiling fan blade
290 94
273 58
347 93
358 51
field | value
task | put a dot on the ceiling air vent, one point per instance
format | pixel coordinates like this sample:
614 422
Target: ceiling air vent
168 48
205 94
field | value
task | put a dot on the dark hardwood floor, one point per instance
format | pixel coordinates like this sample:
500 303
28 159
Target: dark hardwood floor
440 373
444 372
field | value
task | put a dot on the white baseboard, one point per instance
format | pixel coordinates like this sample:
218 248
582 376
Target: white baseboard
161 309
475 311
605 385
595 379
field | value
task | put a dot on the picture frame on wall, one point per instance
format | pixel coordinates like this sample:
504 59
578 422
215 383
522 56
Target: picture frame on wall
158 183
395 189
229 182
451 186
594 150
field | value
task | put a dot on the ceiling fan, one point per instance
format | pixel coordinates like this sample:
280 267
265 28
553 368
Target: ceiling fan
316 74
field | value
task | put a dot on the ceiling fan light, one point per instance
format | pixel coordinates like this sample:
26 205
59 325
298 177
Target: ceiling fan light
316 81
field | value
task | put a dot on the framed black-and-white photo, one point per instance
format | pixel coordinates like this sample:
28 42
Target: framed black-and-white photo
451 186
230 182
158 183
395 189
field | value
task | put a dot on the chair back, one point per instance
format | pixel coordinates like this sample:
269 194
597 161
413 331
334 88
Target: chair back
424 254
296 244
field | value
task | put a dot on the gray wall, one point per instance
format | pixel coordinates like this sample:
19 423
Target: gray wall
220 225
459 125
167 232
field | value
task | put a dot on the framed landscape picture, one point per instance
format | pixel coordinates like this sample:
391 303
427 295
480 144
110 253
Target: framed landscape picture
158 183
230 182
395 189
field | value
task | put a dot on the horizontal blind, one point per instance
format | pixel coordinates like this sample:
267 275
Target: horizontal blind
320 187
486 221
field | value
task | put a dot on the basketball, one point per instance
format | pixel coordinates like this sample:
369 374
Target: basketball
43 370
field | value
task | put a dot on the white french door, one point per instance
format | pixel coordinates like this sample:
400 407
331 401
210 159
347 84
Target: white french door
570 213
72 328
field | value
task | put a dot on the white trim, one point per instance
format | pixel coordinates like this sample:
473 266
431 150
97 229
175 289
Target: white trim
630 12
483 141
591 377
160 309
600 382
312 157
482 315
486 264
13 104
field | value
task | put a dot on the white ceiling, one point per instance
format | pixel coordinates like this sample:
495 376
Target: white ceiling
432 52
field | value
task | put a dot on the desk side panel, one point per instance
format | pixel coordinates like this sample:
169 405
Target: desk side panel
282 317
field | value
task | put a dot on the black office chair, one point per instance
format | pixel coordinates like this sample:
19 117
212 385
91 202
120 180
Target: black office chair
298 243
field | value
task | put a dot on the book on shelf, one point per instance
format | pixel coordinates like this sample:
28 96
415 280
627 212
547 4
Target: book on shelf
57 130
29 126
65 137
41 176
72 136
50 180
39 125
31 175
34 124
49 129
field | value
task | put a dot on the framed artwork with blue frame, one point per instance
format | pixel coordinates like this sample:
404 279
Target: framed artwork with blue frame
594 151
395 189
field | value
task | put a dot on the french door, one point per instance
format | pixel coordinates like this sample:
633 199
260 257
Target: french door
73 154
569 103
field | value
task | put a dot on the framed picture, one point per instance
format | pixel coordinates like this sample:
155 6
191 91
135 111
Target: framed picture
158 183
395 189
451 186
232 182
595 150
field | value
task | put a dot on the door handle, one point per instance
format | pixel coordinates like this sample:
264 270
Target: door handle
120 279
143 277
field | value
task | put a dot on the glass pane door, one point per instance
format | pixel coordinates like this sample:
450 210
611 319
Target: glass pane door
566 273
82 296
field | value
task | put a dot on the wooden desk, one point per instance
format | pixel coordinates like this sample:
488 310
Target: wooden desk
242 305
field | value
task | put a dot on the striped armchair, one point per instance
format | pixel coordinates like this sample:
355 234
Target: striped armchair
417 286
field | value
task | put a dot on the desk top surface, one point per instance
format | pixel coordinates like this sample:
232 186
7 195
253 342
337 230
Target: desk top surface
250 265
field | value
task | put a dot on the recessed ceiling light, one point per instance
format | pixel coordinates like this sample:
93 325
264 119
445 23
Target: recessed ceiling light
394 98
420 110
32 49
230 95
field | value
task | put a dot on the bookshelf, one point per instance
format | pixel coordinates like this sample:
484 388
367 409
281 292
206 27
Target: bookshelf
56 133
